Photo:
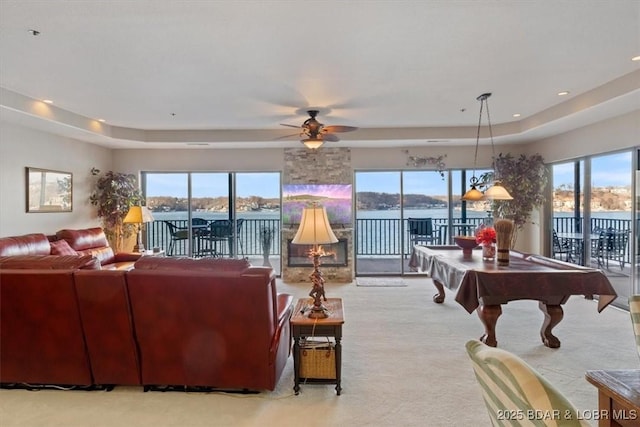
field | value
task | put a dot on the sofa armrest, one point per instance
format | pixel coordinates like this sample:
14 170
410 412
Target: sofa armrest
126 256
285 310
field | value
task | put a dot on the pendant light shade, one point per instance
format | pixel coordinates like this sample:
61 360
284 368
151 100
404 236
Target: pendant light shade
495 191
473 195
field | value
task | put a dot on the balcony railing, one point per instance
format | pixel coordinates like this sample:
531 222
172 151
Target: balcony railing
373 236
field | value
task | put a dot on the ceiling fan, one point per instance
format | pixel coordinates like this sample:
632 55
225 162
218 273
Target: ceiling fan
316 133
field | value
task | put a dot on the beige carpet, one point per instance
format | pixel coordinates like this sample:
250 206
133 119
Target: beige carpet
404 364
388 282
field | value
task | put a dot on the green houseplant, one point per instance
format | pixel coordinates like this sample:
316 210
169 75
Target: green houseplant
525 178
114 193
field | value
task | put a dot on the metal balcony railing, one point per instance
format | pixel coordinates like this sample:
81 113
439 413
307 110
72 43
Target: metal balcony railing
384 237
373 236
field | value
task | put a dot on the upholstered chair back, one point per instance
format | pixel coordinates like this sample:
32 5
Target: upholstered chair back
634 310
515 394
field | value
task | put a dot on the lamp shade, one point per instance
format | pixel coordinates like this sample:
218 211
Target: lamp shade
313 143
314 228
497 192
138 215
473 195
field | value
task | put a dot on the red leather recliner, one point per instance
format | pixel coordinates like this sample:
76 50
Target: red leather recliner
209 322
42 337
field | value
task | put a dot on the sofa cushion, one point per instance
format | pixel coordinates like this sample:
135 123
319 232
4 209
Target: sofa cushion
84 239
61 247
183 263
28 244
89 241
49 262
104 254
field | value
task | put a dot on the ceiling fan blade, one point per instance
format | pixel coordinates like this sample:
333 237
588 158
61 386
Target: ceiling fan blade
291 126
340 128
287 136
330 137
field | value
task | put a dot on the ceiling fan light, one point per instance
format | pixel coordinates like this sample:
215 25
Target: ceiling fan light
313 143
473 195
497 192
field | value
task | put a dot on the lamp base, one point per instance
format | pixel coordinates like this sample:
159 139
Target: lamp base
138 248
318 312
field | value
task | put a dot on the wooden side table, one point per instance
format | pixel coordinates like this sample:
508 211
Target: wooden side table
304 327
618 397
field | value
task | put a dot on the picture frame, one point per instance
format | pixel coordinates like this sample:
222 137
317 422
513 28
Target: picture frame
48 190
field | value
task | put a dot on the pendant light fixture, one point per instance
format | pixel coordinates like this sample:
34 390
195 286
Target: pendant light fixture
495 191
473 195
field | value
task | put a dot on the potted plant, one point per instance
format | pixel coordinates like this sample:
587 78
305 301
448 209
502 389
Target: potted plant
266 237
525 178
114 194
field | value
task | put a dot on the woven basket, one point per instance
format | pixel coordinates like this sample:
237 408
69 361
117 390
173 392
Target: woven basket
317 360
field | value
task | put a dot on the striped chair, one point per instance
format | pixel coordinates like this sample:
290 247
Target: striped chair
634 310
515 394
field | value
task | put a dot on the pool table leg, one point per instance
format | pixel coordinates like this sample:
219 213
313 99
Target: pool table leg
552 316
489 316
439 297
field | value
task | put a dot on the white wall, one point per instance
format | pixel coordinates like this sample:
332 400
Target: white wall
209 160
21 147
608 135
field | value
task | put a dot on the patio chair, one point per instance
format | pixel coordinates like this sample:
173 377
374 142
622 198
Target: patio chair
616 247
220 232
510 386
562 247
611 245
421 231
634 311
177 234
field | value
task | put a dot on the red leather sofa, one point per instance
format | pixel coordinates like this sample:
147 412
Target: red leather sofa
210 322
89 241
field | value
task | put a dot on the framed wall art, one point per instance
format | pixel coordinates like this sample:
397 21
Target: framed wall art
48 190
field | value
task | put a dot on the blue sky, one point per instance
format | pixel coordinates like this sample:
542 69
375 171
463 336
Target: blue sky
609 170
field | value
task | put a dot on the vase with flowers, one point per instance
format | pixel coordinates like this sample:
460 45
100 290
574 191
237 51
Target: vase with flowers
486 236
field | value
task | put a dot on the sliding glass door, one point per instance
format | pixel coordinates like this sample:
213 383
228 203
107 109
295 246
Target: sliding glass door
394 211
215 214
593 217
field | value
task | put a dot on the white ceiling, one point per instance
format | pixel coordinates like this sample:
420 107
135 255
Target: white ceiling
163 73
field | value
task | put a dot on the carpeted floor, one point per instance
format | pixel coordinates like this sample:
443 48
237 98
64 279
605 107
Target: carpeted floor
404 364
385 282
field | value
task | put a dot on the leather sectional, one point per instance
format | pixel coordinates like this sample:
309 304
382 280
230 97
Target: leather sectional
67 320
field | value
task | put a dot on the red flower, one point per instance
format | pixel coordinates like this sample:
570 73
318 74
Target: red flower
486 235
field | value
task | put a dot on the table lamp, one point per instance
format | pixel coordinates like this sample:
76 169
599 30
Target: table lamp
138 215
315 230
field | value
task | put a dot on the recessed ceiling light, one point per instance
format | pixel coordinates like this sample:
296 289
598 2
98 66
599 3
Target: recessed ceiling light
101 120
563 93
516 115
636 58
47 101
